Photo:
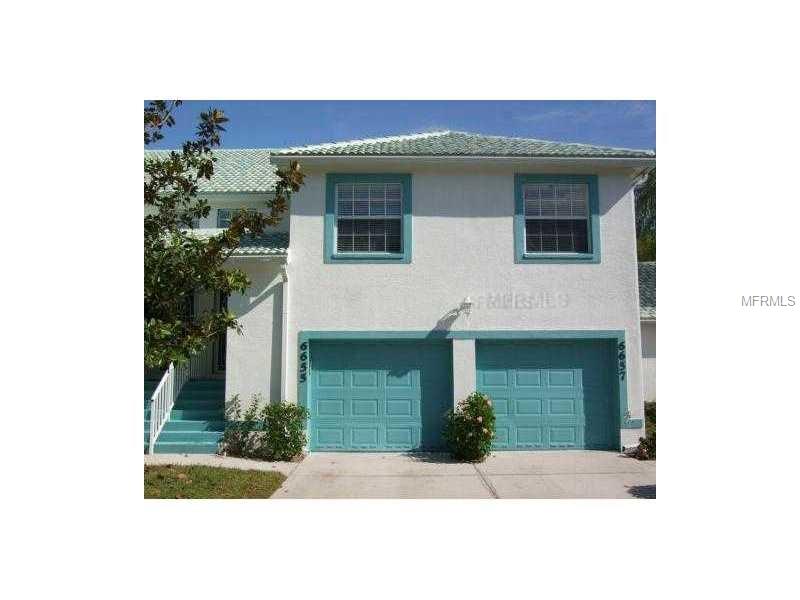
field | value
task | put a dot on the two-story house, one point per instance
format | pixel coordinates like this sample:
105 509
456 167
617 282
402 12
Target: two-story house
413 270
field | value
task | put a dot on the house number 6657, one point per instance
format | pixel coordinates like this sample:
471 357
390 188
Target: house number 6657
303 361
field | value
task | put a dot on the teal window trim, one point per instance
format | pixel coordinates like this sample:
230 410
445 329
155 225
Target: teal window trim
522 257
329 251
306 339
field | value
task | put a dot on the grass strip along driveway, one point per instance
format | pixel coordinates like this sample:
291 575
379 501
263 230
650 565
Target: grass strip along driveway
176 481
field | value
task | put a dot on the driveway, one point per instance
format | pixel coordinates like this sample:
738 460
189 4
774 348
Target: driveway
572 474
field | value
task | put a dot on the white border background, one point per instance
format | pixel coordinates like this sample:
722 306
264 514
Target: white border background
75 75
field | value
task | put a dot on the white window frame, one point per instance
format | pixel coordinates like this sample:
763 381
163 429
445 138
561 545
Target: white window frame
396 216
585 216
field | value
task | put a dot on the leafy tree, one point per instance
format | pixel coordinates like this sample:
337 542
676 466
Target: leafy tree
178 263
645 194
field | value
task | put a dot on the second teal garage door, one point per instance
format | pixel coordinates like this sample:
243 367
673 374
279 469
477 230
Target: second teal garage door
369 396
551 394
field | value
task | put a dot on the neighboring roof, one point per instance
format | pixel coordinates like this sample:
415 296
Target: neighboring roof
459 143
267 244
245 170
647 290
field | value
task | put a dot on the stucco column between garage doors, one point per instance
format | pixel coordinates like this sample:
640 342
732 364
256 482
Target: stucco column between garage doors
464 382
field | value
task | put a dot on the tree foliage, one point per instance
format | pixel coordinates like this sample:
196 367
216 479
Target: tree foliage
177 263
646 215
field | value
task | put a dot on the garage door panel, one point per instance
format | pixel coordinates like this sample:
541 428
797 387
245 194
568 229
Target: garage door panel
562 406
330 407
558 394
378 396
563 437
530 437
402 407
364 437
502 434
364 379
561 378
528 406
330 379
329 436
525 378
402 437
500 405
364 407
401 379
498 377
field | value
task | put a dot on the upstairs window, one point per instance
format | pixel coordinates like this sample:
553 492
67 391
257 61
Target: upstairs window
556 217
368 218
224 216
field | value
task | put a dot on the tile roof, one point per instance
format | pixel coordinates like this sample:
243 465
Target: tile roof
647 290
267 244
459 143
250 169
245 170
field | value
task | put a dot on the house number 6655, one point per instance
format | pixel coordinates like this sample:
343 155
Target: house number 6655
303 361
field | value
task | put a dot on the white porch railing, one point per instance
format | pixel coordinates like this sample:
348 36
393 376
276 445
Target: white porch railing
163 399
200 366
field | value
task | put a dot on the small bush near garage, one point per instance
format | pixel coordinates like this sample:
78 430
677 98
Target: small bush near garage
647 445
469 429
264 431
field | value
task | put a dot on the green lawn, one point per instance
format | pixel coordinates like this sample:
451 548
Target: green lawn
174 481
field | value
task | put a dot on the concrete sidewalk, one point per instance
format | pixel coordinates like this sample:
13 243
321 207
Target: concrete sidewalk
552 474
215 460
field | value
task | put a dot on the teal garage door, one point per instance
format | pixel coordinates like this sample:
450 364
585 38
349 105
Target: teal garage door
551 394
368 396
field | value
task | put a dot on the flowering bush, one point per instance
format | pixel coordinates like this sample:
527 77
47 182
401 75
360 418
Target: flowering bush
469 429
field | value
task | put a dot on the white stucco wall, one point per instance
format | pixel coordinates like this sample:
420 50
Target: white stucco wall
463 245
649 360
254 357
463 369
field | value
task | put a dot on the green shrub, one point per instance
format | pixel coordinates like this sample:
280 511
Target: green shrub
285 426
469 429
272 432
650 415
646 450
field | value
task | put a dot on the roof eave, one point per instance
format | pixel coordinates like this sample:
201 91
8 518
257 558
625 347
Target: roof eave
607 161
